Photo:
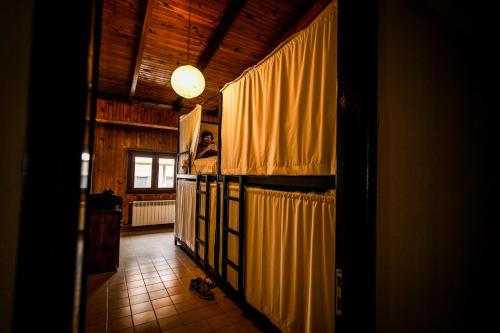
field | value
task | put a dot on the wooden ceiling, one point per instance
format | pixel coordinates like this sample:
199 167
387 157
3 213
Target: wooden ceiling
144 41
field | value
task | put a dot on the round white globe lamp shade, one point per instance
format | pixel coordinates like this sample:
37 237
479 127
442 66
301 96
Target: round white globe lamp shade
188 81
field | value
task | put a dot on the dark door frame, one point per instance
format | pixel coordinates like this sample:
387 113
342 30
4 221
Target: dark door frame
357 152
48 232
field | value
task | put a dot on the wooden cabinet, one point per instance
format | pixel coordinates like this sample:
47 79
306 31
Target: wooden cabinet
104 241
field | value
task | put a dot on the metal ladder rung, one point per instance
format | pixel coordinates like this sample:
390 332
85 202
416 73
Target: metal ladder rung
202 217
200 241
227 197
201 192
232 264
232 231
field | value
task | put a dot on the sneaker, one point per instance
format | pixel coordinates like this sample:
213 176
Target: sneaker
196 281
202 291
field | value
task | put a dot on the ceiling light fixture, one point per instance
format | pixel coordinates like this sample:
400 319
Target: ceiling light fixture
187 81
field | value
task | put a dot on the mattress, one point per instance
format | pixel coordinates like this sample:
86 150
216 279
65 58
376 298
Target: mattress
206 165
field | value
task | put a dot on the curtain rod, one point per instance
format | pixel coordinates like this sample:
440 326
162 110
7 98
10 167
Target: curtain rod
209 98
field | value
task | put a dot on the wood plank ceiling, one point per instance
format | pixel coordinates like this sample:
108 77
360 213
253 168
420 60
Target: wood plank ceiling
144 41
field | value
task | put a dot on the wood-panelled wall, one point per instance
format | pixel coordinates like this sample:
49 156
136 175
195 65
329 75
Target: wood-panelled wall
112 140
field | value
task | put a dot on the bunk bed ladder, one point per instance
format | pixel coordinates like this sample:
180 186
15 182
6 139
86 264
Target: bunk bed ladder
238 233
205 218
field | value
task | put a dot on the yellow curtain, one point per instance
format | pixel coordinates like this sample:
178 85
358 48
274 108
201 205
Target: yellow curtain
185 212
189 127
290 258
279 117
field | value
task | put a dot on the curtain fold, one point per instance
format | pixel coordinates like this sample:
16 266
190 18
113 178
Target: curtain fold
279 117
290 258
189 127
185 212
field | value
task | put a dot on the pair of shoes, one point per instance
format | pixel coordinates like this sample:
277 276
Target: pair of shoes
206 281
200 289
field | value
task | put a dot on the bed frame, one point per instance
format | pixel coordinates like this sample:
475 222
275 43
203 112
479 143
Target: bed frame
318 184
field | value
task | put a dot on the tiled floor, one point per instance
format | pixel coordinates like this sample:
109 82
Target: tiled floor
150 293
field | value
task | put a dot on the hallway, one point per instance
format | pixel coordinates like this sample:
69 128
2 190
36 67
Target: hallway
150 292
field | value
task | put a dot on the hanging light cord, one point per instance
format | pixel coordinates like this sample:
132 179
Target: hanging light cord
189 29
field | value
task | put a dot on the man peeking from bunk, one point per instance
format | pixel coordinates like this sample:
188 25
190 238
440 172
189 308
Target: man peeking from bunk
206 147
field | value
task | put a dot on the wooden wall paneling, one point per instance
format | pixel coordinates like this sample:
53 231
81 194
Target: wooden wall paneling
112 142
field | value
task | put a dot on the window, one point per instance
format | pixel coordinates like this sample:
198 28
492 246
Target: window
150 172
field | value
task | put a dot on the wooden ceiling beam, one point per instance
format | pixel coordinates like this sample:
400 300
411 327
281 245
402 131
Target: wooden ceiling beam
140 49
225 23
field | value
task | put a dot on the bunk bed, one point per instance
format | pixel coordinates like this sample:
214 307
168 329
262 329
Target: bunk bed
272 201
195 186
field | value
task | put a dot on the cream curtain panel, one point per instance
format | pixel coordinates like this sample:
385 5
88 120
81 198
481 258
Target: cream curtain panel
290 258
189 127
185 212
279 117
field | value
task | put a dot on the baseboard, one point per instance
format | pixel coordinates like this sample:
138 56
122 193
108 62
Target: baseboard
147 227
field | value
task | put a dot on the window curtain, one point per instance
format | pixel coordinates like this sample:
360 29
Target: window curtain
279 117
290 258
189 127
185 212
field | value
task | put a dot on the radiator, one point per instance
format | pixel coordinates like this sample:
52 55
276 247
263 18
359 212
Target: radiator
153 212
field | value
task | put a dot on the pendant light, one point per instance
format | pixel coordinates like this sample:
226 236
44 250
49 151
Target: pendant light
187 81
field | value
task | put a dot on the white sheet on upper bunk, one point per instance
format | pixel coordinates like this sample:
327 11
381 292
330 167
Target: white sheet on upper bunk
185 212
290 258
189 127
207 165
279 117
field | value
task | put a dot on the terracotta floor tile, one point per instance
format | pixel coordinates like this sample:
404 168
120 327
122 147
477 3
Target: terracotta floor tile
201 326
186 306
168 277
96 328
132 272
119 312
165 271
118 302
139 298
200 313
149 327
120 323
153 280
135 284
143 317
117 287
150 274
154 287
149 268
118 294
137 291
169 323
172 283
96 318
158 294
135 277
141 307
225 319
165 311
177 290
161 302
227 305
181 298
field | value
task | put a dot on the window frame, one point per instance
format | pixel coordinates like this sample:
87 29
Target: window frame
155 155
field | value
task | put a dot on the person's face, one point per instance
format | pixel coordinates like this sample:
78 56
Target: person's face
207 139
